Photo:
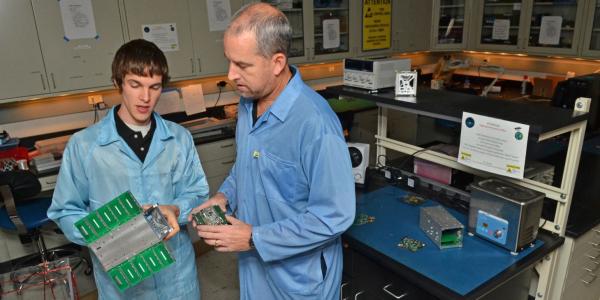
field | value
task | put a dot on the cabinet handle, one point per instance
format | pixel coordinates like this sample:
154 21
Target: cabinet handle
228 162
199 66
192 63
43 83
342 286
589 281
358 294
53 83
227 146
595 244
597 231
385 289
592 256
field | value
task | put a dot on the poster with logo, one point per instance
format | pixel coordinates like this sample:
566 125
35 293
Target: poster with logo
377 24
493 145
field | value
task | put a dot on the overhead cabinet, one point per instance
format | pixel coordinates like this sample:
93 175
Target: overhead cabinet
23 73
207 38
499 25
78 42
591 40
167 24
450 20
554 27
321 28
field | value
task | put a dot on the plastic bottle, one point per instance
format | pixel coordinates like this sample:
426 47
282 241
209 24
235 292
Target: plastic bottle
524 85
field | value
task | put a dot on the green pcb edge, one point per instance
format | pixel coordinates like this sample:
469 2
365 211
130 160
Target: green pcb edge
141 266
108 217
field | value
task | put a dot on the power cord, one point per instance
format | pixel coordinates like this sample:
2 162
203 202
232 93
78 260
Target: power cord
98 107
221 84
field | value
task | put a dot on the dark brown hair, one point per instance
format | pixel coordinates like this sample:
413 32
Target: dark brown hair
139 57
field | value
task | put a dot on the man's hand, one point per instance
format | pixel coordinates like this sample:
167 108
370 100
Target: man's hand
227 238
218 199
171 213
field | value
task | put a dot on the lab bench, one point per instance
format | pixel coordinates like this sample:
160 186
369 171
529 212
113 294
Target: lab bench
376 268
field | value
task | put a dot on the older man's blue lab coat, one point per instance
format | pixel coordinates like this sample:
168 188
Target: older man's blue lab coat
292 181
98 165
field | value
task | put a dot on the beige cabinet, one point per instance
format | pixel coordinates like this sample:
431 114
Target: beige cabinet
577 279
500 25
23 73
169 21
591 37
217 160
207 42
450 21
554 27
74 63
411 21
322 29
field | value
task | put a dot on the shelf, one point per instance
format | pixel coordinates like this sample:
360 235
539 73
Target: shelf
450 106
292 10
320 34
326 9
501 4
491 26
452 6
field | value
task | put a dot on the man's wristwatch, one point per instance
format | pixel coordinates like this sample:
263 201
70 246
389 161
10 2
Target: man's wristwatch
251 242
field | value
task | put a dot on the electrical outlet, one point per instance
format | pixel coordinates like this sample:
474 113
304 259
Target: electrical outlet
95 99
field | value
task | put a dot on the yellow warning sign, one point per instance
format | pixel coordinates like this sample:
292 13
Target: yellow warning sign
377 24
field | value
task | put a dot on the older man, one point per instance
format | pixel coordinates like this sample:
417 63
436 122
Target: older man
291 186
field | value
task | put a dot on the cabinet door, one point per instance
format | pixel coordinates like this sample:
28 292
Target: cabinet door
499 25
295 11
554 27
591 41
78 62
410 20
166 23
208 42
23 71
331 37
450 18
375 28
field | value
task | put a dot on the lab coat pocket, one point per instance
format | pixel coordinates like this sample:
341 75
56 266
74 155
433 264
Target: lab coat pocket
278 177
301 275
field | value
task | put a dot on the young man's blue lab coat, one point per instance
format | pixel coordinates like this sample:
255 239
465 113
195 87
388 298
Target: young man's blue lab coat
98 165
292 181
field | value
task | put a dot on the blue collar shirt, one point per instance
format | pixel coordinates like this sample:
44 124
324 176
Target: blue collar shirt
292 181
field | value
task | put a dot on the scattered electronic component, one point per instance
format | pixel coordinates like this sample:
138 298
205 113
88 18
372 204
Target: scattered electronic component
362 219
441 227
127 242
212 215
411 244
413 199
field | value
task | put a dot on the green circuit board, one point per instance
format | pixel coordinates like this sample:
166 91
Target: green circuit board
109 224
212 215
108 217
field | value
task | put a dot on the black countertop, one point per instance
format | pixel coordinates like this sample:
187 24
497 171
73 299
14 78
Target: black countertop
450 106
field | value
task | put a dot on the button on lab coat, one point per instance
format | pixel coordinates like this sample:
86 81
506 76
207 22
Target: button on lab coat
98 165
292 181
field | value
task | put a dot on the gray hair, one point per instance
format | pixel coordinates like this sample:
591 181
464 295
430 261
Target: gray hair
272 30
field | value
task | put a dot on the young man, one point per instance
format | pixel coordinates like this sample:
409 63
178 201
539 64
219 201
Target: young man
134 149
291 186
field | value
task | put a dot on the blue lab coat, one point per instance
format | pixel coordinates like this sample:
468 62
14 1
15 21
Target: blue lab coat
98 165
292 181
